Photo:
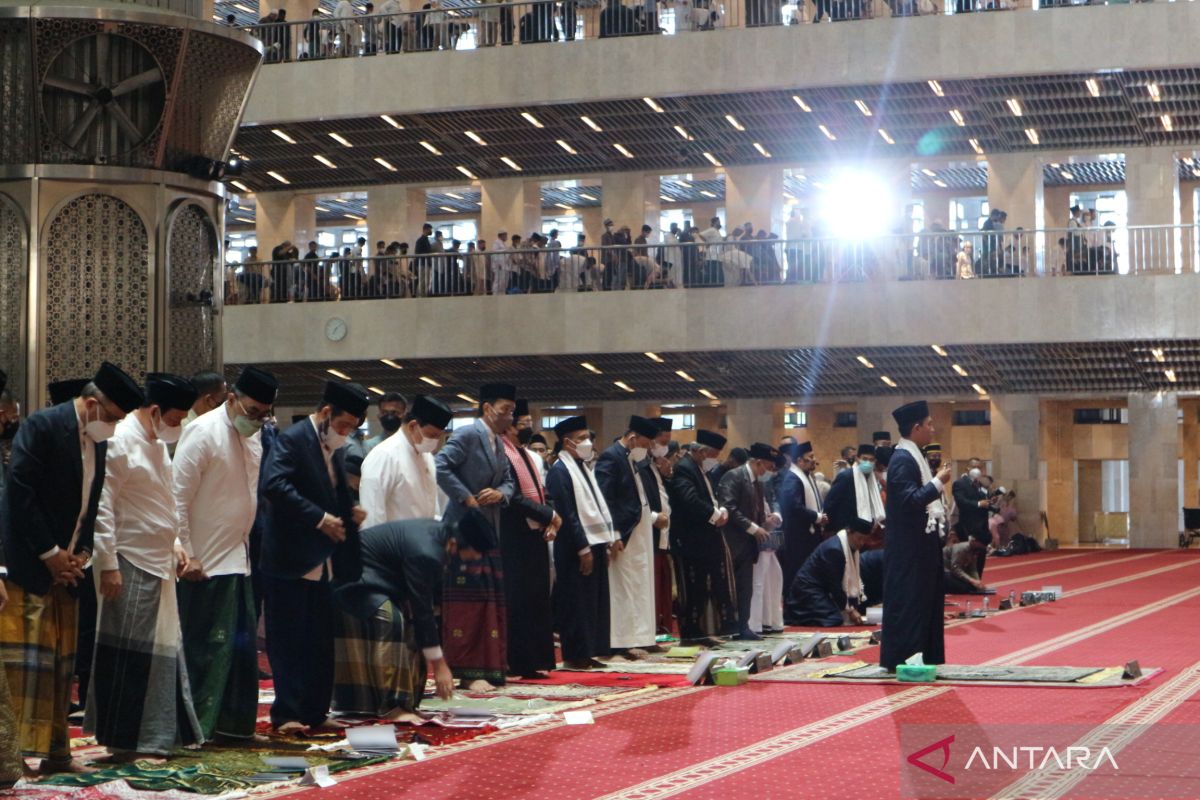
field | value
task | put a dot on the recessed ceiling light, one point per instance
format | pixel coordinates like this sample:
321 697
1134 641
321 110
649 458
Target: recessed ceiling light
937 348
975 146
1066 175
684 184
354 217
563 144
532 120
244 219
655 357
475 137
449 209
959 370
937 88
623 385
325 161
431 148
511 164
390 121
466 172
929 172
685 376
707 193
762 150
563 206
592 124
337 373
957 116
1014 105
865 362
590 367
650 102
683 133
665 199
383 162
282 134
587 196
390 363
468 399
732 120
1155 92
375 389
278 177
979 389
712 159
1170 373
342 140
888 381
1093 87
1167 123
1032 135
1158 354
622 149
941 184
884 135
708 394
803 105
828 134
430 381
863 107
241 186
455 196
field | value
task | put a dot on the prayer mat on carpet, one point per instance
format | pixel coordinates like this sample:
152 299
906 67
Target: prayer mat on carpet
113 790
562 691
479 706
622 681
960 675
644 667
859 640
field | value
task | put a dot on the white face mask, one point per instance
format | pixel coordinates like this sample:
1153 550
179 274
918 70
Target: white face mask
332 440
165 433
637 453
709 464
975 473
427 445
659 451
583 450
99 431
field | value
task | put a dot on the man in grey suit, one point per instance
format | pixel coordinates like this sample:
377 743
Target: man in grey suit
742 493
474 472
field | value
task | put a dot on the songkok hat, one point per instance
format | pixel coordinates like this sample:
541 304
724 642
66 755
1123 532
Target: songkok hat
349 397
866 450
354 464
430 411
860 525
883 455
803 449
709 439
643 427
570 425
537 438
522 409
170 392
664 424
3 380
62 391
760 450
491 392
910 413
781 461
473 530
258 384
884 435
118 387
932 447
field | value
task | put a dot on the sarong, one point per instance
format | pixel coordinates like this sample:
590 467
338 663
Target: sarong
474 632
10 749
219 626
378 667
139 699
37 648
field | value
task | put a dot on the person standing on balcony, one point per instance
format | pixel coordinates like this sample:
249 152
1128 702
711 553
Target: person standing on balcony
501 264
608 257
393 26
346 30
713 269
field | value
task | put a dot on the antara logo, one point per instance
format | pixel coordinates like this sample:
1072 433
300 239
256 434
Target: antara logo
944 747
1018 757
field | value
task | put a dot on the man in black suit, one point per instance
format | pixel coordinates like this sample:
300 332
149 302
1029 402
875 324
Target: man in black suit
312 540
750 522
801 507
701 558
424 248
972 501
842 502
47 521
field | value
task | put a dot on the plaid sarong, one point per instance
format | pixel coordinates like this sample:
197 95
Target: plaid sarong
474 618
37 648
139 698
10 750
378 666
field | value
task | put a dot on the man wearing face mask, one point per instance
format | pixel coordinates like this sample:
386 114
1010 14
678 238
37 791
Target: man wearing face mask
855 493
47 523
971 499
698 547
399 477
631 576
212 394
474 472
139 642
392 409
801 505
312 540
215 480
750 523
582 550
654 472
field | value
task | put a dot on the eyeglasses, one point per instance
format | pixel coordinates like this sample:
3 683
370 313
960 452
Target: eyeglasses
254 414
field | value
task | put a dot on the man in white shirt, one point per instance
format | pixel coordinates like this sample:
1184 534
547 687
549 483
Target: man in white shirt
215 478
138 638
501 264
399 477
713 268
347 31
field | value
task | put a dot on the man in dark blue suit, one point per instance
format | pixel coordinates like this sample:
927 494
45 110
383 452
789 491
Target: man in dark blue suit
916 520
312 539
802 509
47 521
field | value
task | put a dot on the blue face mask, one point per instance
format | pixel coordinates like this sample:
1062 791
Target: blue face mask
866 467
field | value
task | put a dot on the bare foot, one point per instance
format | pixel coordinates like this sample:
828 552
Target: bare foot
328 726
48 767
480 686
408 717
292 728
258 738
129 756
635 654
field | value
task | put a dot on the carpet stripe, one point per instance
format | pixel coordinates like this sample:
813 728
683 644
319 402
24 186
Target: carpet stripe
1018 562
1056 572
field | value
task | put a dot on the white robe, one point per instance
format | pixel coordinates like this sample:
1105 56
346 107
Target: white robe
631 584
398 483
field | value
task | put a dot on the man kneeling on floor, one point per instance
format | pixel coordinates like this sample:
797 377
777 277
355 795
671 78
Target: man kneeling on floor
828 590
961 561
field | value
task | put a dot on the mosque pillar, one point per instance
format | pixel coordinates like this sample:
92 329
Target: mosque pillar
1152 195
875 414
752 420
1153 469
1058 451
284 216
754 194
1016 450
631 198
513 205
394 214
614 420
1016 185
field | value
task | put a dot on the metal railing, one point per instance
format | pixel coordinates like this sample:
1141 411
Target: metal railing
726 262
470 24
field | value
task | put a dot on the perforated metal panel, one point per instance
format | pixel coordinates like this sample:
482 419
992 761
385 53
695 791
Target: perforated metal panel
14 241
191 255
97 258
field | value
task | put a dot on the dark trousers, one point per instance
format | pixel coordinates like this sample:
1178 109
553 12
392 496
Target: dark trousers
581 604
86 637
300 647
744 550
701 582
664 605
952 584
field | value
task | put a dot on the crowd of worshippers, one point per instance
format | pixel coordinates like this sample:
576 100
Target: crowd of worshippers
435 266
154 524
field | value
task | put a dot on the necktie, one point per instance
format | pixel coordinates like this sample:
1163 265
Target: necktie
758 503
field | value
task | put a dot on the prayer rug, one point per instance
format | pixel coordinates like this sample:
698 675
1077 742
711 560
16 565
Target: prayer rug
645 667
959 675
562 691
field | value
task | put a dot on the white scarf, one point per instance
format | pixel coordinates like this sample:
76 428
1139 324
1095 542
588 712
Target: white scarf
593 513
812 494
935 510
852 583
866 496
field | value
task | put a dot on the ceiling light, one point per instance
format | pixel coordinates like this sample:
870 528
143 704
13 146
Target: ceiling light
1155 92
591 124
1167 124
376 390
1158 354
390 121
431 148
979 389
1066 175
466 172
430 381
683 133
665 199
827 133
475 137
283 135
803 105
337 373
468 399
937 88
278 177
941 184
455 196
532 120
567 147
244 219
326 162
957 116
732 120
865 362
1032 135
655 357
929 172
937 348
959 370
622 150
590 367
1093 87
888 381
707 193
975 146
650 102
587 196
563 206
1196 172
884 135
623 385
385 164
708 394
1014 105
685 376
863 107
684 184
512 164
342 140
247 9
1170 373
449 209
712 159
241 186
390 363
762 150
354 217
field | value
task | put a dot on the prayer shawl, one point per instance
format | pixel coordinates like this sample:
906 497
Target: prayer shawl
593 512
812 494
936 511
528 481
867 498
852 583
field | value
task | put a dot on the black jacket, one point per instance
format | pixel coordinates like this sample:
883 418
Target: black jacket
737 495
967 495
693 535
615 475
841 504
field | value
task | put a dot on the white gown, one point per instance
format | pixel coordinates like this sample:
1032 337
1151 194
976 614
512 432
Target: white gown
631 584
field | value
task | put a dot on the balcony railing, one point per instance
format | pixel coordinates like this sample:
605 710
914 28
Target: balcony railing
727 263
469 24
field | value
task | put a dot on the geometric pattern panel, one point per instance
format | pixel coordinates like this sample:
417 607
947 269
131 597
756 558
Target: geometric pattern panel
97 289
192 254
13 270
16 123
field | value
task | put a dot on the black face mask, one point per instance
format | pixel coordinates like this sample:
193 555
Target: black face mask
390 422
9 431
934 463
524 436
